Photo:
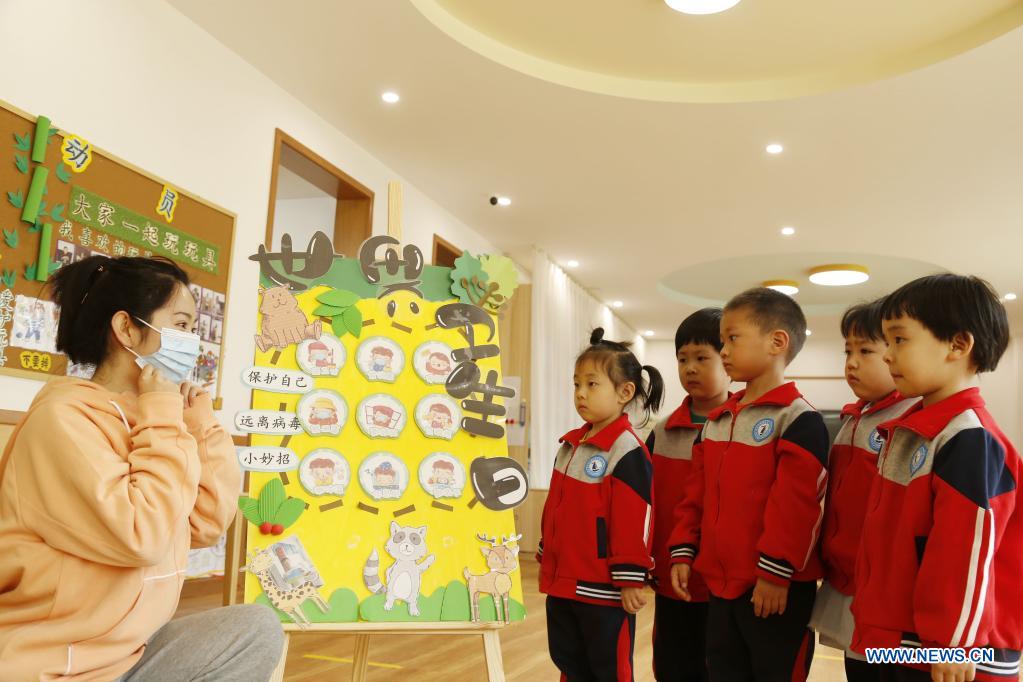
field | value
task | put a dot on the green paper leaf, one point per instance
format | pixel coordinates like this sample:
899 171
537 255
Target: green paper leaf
337 325
339 298
58 213
42 209
55 265
250 509
466 278
46 190
353 321
289 512
21 162
11 238
500 269
35 227
30 271
327 311
17 199
62 174
9 278
271 497
49 136
23 143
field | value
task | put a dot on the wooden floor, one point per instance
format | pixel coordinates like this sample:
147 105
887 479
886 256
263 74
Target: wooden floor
423 658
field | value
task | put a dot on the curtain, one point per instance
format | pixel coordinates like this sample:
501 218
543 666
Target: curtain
564 314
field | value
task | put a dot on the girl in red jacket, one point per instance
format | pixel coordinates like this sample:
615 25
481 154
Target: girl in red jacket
594 564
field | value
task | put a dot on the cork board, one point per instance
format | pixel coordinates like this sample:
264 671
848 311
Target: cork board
61 200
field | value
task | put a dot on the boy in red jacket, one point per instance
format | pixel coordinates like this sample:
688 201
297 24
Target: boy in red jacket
753 502
941 562
852 468
679 626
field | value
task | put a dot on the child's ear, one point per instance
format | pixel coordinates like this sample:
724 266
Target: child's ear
779 342
961 346
626 392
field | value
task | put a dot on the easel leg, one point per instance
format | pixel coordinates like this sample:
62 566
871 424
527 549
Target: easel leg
278 675
360 659
492 654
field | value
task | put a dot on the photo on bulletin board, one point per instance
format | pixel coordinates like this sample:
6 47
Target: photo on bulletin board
62 200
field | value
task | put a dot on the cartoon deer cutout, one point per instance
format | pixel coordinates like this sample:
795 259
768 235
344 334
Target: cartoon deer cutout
502 559
288 601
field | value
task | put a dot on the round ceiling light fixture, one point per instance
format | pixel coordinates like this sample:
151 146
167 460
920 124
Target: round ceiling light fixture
390 97
839 275
701 6
785 286
1010 296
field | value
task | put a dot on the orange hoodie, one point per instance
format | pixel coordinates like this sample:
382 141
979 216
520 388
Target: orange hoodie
101 497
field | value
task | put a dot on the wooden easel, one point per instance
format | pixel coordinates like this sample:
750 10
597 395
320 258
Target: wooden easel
488 632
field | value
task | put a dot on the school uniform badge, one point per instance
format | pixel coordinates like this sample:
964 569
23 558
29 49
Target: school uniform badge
875 441
763 429
918 459
595 466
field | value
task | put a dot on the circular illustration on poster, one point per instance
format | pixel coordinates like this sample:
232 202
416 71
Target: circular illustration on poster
324 472
380 359
324 356
432 362
442 475
438 416
381 416
383 476
322 413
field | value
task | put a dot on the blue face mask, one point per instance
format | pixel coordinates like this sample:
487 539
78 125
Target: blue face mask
176 356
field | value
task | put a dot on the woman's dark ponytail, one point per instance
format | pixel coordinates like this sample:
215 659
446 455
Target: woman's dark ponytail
622 366
91 291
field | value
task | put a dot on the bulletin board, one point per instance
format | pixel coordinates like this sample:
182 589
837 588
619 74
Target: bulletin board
380 486
62 200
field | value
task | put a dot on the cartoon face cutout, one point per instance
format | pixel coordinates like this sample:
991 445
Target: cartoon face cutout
380 359
383 476
322 413
442 475
381 416
324 472
324 356
433 362
438 416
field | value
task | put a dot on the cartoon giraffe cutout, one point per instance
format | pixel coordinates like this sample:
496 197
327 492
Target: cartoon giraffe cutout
288 601
502 559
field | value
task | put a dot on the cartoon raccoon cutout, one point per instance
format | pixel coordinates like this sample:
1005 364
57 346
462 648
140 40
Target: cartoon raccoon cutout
407 545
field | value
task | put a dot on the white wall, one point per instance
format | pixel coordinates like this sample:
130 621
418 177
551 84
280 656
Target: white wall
143 82
302 218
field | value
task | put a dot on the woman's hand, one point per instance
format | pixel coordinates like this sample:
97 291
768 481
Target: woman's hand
152 381
190 392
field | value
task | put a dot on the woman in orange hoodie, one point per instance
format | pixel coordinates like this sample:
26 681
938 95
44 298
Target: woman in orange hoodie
104 487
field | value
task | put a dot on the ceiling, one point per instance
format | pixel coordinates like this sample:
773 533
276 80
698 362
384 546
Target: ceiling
925 166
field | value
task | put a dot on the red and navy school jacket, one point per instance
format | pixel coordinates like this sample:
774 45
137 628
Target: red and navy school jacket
754 500
597 519
852 468
671 449
941 562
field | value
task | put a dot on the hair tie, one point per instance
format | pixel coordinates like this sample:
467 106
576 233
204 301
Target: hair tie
92 280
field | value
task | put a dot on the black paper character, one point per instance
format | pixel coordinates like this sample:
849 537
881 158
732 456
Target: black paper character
316 261
410 262
499 482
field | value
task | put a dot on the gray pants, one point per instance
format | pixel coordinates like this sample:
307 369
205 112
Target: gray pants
234 643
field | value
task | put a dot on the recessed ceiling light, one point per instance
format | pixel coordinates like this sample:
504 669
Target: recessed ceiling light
775 148
839 275
648 333
1010 296
390 97
809 332
785 286
788 230
616 304
572 263
503 201
701 6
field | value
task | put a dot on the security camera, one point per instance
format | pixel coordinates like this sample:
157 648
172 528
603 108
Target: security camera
493 201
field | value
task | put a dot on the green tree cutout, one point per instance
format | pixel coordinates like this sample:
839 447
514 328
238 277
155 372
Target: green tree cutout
339 306
487 282
273 511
